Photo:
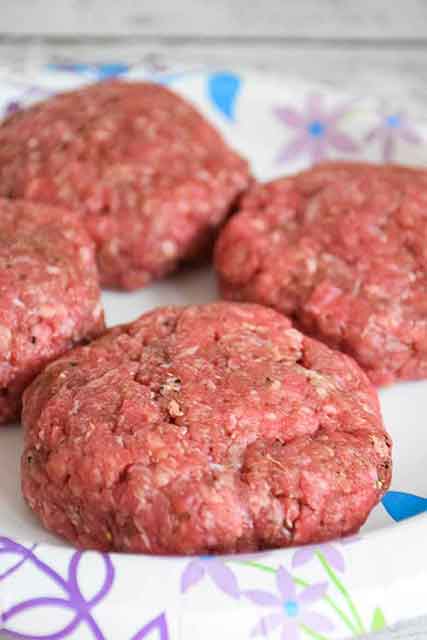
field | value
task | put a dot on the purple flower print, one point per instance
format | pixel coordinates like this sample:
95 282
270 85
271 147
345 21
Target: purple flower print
71 599
390 128
289 610
316 130
215 568
158 624
27 95
332 554
12 107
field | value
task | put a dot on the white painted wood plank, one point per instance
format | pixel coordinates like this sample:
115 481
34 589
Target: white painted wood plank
399 73
382 19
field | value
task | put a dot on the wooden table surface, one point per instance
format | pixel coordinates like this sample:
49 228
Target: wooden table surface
377 46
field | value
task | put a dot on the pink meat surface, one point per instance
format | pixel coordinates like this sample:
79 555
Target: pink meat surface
49 294
203 429
150 177
342 250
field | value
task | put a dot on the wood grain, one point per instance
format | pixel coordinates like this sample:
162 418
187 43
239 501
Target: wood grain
340 19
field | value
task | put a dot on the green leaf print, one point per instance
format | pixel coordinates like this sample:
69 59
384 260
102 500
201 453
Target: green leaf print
378 620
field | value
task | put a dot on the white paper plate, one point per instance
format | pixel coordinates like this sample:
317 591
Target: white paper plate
50 591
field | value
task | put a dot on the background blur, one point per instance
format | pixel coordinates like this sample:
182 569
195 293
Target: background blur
368 45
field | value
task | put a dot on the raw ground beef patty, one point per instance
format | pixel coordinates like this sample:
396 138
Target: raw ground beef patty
214 428
49 293
151 178
342 250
